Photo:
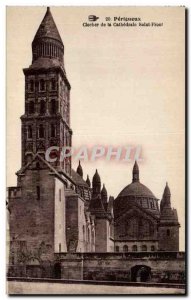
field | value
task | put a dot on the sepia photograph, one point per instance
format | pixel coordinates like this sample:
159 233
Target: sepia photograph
95 144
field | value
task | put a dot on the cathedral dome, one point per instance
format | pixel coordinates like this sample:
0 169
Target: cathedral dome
136 189
136 193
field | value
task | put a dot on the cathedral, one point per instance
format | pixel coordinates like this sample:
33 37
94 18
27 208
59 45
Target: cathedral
53 210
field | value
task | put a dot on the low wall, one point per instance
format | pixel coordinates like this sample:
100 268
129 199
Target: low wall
157 266
154 267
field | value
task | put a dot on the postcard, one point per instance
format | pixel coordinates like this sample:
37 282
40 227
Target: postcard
96 150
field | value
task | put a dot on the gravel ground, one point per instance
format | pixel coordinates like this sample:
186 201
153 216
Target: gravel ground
14 287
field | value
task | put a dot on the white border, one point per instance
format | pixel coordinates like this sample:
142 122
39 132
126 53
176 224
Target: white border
3 5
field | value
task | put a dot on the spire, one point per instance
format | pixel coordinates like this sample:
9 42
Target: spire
88 181
47 41
135 172
80 170
96 183
165 202
110 205
166 191
104 194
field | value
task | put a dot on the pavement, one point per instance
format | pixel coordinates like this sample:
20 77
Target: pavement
20 288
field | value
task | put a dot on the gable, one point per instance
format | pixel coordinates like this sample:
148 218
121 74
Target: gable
135 224
138 212
38 163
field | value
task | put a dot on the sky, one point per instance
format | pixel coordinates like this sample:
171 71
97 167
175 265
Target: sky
128 89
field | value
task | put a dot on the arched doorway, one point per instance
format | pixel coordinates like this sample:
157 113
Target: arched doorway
57 270
140 273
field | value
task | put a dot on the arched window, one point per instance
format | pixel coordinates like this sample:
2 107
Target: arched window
29 132
31 107
42 85
53 106
53 84
117 248
31 86
168 232
144 248
42 107
125 248
53 130
134 248
152 248
41 131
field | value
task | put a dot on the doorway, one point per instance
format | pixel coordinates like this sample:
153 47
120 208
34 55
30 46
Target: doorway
140 273
57 270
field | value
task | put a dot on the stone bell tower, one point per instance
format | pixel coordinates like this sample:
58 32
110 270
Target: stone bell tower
37 205
46 120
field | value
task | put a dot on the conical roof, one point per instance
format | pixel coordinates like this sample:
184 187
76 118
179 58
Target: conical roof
47 28
135 167
135 172
96 178
104 194
165 202
79 169
88 181
166 191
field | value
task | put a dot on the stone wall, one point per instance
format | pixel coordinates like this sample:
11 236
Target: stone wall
71 221
169 238
101 235
161 266
31 224
59 218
